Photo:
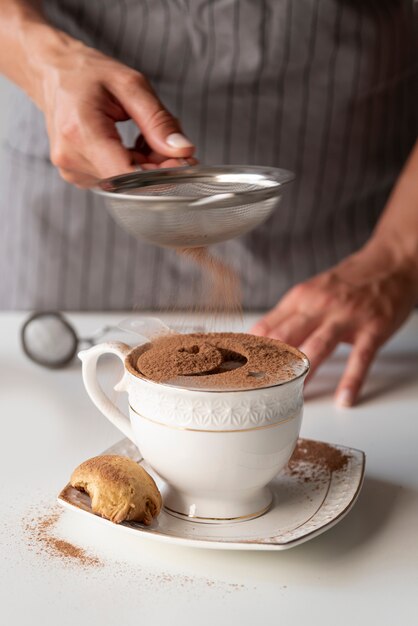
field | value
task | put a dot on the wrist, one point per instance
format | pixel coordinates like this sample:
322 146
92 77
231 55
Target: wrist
401 251
44 48
379 257
396 233
394 253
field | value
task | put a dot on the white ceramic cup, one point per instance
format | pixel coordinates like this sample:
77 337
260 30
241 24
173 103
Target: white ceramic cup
216 450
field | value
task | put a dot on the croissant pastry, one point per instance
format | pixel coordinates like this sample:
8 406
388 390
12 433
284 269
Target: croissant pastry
120 489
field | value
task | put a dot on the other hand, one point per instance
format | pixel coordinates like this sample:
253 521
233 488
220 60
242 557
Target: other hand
362 301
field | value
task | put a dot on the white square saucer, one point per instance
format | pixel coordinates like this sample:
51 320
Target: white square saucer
304 506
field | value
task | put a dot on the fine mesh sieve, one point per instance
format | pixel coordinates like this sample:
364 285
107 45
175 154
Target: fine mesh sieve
194 206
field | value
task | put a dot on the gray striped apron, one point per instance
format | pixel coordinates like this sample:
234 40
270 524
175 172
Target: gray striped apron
326 88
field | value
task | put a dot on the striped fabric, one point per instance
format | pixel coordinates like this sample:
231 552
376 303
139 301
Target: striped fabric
326 88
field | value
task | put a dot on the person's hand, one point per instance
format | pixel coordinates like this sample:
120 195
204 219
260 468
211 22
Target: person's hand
82 94
362 301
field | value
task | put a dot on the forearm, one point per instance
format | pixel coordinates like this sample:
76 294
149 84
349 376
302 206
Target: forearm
397 229
28 43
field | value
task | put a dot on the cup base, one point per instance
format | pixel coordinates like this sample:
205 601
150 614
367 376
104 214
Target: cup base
216 512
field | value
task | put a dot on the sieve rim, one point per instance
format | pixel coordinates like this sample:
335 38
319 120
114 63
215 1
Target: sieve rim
113 187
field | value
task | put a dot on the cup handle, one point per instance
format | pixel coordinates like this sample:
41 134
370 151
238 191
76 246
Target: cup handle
89 360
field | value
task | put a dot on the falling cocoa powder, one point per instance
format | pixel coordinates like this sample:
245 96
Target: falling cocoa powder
222 288
39 532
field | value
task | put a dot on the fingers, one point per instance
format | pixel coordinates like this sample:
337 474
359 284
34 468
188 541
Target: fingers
322 343
264 326
85 143
361 357
168 163
271 320
78 179
160 129
295 328
94 152
141 145
144 154
111 158
288 305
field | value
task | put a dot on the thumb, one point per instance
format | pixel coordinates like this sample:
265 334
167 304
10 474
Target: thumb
160 129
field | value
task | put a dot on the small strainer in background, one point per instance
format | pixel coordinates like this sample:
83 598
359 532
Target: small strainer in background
194 206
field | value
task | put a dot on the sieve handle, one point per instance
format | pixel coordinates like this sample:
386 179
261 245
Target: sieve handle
89 359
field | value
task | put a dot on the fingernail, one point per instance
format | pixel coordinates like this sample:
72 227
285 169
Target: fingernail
177 140
345 398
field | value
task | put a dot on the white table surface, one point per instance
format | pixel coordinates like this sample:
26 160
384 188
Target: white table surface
363 571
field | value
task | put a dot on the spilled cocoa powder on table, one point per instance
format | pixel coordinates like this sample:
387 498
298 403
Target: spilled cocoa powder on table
40 535
39 524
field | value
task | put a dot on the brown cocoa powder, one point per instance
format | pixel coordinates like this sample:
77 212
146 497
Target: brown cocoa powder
315 460
217 360
221 284
39 532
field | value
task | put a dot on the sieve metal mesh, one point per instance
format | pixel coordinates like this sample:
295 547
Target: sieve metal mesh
194 206
194 189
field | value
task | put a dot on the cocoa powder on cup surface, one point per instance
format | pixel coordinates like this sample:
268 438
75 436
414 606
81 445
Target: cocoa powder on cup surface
217 361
